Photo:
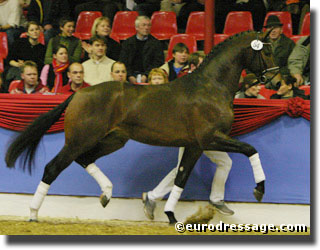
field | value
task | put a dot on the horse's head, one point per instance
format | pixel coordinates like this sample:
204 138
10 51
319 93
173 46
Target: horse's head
259 59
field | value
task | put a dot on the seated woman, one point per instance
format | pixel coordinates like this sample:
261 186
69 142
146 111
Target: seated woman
250 88
66 38
157 76
102 27
288 90
54 75
25 49
119 72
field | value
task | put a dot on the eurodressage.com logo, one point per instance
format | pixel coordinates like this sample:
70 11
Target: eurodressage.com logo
225 228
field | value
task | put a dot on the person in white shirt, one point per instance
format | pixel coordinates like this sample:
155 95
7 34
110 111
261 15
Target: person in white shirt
98 68
10 18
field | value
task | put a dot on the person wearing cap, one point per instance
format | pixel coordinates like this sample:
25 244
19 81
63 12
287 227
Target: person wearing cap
250 88
282 46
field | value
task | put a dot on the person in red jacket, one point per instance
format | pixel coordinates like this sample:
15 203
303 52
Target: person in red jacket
76 76
30 83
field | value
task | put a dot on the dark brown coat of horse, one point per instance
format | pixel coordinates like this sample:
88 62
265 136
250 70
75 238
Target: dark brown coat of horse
195 112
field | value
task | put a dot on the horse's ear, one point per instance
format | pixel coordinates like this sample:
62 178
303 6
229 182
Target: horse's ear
265 35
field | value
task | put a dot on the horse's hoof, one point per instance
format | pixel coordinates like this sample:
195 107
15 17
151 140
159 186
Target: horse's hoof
104 200
32 220
172 219
258 195
258 192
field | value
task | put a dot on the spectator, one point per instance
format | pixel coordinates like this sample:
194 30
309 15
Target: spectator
250 88
10 19
288 90
119 72
66 38
282 46
54 75
179 62
48 13
24 49
146 7
141 52
172 5
24 4
299 62
102 27
157 76
30 83
98 68
194 61
216 198
108 7
76 79
190 6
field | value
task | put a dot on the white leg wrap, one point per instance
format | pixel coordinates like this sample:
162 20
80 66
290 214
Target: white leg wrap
173 199
103 181
224 164
37 199
257 168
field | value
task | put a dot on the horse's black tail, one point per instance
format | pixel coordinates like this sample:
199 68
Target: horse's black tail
27 142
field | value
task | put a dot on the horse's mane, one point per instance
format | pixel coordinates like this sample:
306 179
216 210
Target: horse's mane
219 48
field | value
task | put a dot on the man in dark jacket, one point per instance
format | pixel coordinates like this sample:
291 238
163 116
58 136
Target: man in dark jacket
48 13
141 52
281 45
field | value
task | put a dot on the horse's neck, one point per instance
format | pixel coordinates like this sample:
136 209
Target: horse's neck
226 70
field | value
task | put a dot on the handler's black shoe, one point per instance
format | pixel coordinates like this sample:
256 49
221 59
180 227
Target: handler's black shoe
149 206
221 207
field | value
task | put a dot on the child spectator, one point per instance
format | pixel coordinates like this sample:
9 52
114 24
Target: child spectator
179 62
66 38
25 49
30 83
157 76
54 75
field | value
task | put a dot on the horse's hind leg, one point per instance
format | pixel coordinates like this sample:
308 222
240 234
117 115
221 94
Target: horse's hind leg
189 159
109 144
52 170
225 143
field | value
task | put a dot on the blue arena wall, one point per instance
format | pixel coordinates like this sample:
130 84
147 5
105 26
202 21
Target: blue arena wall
284 147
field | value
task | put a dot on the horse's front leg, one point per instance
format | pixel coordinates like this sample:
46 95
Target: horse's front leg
225 143
189 159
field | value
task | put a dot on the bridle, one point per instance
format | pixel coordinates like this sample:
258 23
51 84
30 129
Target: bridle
257 46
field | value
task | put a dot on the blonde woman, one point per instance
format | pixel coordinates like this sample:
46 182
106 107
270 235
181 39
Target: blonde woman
157 76
102 28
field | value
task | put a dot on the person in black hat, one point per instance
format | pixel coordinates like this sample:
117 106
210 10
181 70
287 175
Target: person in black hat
281 45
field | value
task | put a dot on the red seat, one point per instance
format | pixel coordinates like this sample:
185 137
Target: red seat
266 92
195 25
305 29
84 24
3 45
1 65
285 19
41 37
188 40
238 21
123 24
218 38
306 89
296 38
164 24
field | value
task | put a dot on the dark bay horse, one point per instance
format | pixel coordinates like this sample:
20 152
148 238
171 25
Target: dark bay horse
195 112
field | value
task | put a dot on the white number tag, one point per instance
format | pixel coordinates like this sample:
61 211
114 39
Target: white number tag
256 45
